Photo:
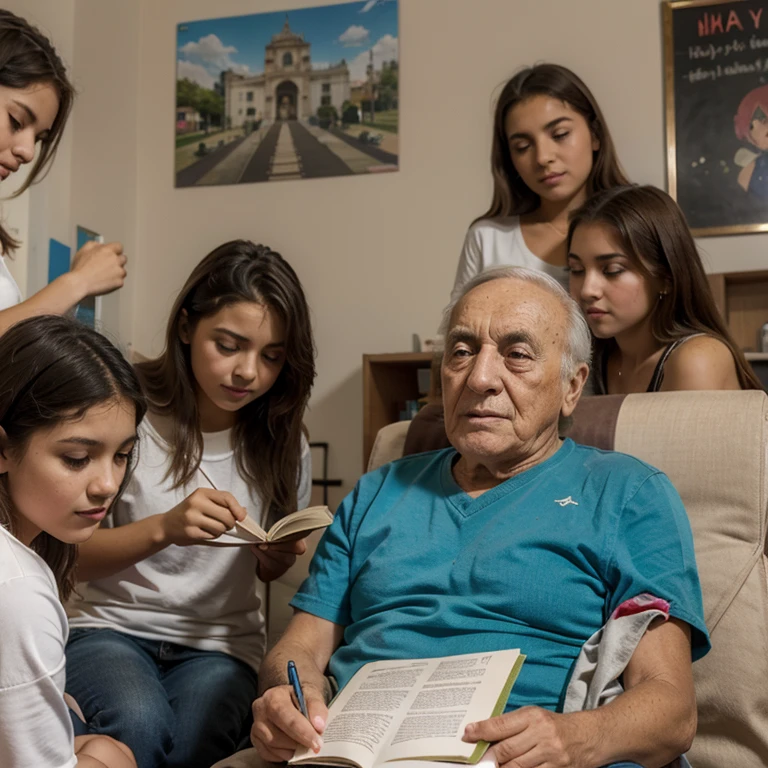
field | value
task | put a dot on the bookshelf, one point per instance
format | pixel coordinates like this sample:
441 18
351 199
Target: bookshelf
742 298
388 381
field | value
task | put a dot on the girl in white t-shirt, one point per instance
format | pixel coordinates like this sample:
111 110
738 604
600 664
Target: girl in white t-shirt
551 149
35 101
69 409
169 632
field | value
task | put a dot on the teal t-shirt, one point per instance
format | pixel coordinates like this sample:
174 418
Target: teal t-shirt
413 567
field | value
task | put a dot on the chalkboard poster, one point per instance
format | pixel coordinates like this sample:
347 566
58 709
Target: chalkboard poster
717 113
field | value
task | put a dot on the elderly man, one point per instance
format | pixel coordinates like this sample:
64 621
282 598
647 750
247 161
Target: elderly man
513 538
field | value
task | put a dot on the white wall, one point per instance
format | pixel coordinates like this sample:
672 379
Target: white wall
15 216
377 254
45 208
104 166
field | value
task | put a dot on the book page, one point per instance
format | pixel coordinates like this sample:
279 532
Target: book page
364 713
241 534
294 526
459 691
414 709
303 521
248 530
488 760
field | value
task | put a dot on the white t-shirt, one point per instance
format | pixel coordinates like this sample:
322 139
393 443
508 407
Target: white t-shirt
199 596
492 243
35 725
10 295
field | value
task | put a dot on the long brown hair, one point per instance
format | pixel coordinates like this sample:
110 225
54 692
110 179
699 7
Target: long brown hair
655 235
27 58
53 370
511 195
267 433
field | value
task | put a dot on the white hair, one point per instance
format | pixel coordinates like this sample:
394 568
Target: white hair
578 348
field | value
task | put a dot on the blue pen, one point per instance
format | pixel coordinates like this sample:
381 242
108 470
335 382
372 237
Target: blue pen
293 679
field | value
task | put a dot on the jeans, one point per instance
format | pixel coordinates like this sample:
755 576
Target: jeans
174 706
78 726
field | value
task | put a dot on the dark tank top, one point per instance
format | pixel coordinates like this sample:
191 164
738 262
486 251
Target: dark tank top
658 372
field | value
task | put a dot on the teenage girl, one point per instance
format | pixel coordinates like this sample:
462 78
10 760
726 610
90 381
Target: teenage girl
169 633
637 275
551 150
35 101
69 409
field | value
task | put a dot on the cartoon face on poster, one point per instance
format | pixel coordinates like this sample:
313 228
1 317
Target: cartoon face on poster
751 123
717 113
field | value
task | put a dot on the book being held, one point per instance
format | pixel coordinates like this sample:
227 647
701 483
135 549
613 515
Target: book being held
293 526
415 710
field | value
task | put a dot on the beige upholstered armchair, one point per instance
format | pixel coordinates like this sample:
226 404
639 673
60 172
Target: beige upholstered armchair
714 448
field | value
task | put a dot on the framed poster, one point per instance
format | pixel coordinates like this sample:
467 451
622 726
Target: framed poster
276 96
716 60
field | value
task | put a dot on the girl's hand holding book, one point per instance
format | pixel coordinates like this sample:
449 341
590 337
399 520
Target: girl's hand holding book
204 515
273 560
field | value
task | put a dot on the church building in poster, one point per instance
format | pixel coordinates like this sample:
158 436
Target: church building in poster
288 89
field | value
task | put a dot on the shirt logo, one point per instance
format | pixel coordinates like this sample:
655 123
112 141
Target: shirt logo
566 501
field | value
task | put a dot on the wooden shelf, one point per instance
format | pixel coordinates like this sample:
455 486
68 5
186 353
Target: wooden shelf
389 380
742 298
410 359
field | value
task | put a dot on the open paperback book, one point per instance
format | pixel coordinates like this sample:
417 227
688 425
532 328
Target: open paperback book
415 710
293 526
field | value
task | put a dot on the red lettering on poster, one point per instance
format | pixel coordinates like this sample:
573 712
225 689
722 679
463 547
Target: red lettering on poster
733 21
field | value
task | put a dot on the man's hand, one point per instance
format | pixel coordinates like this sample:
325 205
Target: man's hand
101 266
279 727
531 737
275 559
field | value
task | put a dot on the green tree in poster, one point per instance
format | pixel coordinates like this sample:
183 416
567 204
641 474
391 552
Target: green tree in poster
207 102
186 93
388 81
349 113
327 115
210 106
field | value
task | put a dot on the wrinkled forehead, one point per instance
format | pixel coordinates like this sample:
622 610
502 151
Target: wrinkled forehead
505 306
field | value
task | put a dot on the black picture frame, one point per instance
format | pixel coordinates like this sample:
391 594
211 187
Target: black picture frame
716 70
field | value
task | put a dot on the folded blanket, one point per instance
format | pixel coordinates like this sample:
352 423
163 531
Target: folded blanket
604 657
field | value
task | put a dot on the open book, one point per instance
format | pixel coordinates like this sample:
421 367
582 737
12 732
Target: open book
415 710
293 526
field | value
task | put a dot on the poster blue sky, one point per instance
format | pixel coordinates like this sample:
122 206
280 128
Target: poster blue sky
345 31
